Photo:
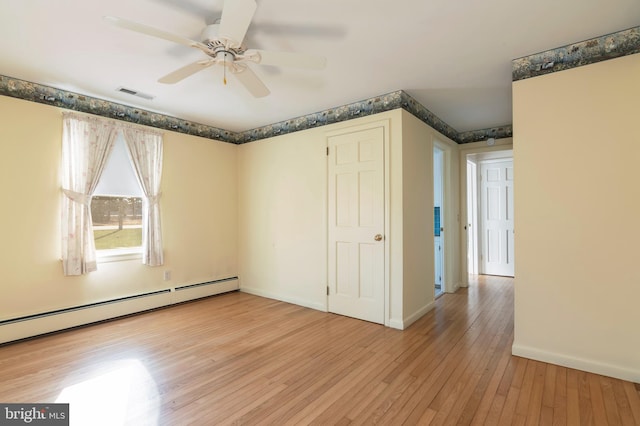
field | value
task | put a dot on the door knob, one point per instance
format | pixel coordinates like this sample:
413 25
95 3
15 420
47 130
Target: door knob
378 237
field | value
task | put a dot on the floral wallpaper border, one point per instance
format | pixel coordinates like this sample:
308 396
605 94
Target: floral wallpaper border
358 109
484 134
35 92
621 43
609 46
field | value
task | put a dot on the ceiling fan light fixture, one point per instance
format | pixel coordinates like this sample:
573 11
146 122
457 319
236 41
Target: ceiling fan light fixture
225 58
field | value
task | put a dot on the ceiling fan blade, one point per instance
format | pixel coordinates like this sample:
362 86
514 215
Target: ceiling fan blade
186 71
235 20
250 80
288 59
154 32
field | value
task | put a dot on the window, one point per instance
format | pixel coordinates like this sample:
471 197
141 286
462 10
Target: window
89 144
117 222
116 206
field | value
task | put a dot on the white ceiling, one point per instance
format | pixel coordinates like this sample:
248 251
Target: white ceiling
454 57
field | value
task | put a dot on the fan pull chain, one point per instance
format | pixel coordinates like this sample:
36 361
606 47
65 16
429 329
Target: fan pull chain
224 76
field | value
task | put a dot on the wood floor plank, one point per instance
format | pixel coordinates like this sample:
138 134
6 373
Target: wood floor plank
584 392
462 356
493 416
611 407
241 359
461 405
633 397
550 385
490 395
573 398
485 387
622 404
560 400
597 400
524 398
355 400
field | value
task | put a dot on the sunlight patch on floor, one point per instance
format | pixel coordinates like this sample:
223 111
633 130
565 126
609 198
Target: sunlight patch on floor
125 394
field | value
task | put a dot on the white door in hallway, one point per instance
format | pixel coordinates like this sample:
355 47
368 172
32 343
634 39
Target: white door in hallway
356 224
497 217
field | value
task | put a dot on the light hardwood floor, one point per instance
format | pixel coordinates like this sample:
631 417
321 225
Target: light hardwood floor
242 359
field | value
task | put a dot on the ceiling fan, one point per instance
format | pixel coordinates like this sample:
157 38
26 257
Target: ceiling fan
222 43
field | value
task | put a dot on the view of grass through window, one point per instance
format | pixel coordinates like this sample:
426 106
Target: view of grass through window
117 222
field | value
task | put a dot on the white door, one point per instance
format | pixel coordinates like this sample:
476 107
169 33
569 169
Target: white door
356 225
497 217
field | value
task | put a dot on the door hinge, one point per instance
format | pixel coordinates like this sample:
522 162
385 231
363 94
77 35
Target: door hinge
327 151
327 290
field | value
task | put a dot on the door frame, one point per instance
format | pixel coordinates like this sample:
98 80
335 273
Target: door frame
448 219
476 151
439 255
471 224
385 125
481 227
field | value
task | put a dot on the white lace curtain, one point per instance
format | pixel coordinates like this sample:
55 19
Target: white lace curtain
86 144
145 149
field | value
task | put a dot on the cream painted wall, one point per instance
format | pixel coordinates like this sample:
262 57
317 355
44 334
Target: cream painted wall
283 213
417 214
257 211
200 208
577 204
282 218
199 219
418 141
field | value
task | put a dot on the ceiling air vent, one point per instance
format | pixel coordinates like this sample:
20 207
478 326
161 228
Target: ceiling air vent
135 93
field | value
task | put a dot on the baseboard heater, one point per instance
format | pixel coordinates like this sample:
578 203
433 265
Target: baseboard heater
186 287
60 319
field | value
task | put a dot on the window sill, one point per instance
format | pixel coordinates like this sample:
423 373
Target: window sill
119 255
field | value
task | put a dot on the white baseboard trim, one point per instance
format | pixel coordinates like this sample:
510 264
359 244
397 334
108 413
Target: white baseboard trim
400 324
35 325
453 288
284 298
418 314
396 323
591 366
197 291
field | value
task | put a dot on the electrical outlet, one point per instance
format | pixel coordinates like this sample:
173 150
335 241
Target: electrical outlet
167 275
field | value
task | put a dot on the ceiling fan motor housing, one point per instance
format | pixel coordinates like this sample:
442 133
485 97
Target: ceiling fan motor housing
210 33
224 51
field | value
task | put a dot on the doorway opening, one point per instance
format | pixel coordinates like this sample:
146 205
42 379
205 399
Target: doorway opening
438 218
489 226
